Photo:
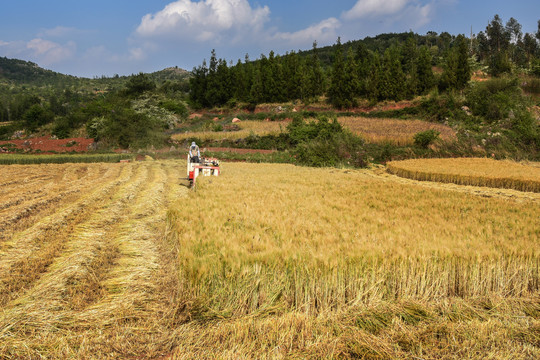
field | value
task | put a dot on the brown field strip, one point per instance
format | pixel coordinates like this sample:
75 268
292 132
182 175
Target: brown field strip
471 171
399 132
27 211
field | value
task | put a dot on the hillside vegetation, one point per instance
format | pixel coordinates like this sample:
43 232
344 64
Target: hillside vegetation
435 74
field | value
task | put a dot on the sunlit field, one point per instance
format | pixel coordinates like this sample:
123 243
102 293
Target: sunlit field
247 128
471 171
318 260
398 132
264 261
84 270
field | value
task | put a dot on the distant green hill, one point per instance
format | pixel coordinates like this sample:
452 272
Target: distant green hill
170 73
26 72
438 42
20 72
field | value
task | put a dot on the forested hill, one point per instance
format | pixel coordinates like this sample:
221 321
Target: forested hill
381 42
20 72
26 72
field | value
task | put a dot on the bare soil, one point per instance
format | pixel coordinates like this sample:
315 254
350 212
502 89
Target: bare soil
45 144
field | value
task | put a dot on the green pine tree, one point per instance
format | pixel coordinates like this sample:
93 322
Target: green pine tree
342 90
426 79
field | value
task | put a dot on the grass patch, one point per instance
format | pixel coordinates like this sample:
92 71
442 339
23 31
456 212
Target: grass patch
10 159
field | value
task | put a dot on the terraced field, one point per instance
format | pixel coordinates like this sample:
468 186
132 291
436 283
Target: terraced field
83 264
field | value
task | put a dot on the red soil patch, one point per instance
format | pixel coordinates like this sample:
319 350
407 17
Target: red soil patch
46 144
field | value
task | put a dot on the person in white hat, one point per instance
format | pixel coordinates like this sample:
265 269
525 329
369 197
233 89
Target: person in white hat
194 153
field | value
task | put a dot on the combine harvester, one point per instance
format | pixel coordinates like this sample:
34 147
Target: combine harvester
206 167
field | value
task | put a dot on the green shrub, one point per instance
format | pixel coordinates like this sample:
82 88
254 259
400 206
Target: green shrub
525 128
531 86
325 143
426 138
437 108
494 99
138 84
175 107
300 131
37 116
341 149
535 67
125 128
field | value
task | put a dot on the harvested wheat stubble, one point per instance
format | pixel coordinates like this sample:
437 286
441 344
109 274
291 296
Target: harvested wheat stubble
471 171
85 244
107 290
48 195
28 254
247 128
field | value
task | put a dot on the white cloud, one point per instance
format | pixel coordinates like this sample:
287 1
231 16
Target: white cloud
324 31
137 54
372 17
49 52
364 8
44 52
204 20
59 31
424 15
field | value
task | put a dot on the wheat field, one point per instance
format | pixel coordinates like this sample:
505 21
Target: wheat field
318 263
398 132
248 127
265 261
471 171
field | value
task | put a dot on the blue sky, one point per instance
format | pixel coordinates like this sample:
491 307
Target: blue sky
94 38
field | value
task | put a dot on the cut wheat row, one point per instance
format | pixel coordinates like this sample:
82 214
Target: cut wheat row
130 281
87 240
475 172
101 185
121 264
136 291
28 254
27 201
70 177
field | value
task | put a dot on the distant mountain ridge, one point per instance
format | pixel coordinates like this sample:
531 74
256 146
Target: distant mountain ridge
23 72
170 73
27 72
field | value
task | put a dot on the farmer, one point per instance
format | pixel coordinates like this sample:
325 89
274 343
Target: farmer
194 153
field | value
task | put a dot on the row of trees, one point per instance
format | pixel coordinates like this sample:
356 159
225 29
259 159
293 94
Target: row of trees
376 69
398 73
269 79
500 46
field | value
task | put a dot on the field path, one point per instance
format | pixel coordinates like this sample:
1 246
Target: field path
515 195
104 277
